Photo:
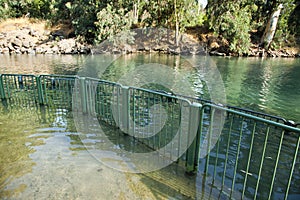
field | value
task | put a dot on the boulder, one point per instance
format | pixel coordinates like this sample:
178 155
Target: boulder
55 49
67 45
31 51
10 46
18 51
26 43
23 50
5 50
39 50
17 42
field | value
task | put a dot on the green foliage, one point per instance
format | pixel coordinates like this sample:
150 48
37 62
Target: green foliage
17 8
39 8
232 22
235 19
284 31
294 22
82 14
188 15
111 22
3 9
240 37
97 20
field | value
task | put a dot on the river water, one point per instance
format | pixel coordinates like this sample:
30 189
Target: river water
42 156
270 85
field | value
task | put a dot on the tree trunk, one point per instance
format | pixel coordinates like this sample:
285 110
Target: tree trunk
269 33
176 24
136 11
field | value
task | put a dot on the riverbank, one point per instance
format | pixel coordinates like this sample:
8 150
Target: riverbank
29 36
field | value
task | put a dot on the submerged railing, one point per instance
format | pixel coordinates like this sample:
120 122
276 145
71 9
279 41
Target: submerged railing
241 153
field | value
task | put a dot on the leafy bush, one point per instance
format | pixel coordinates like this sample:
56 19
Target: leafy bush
32 8
39 8
111 22
233 23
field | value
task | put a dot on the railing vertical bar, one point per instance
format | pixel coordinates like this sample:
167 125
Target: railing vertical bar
227 150
249 159
8 86
111 105
171 128
292 169
82 94
44 89
108 105
180 129
218 145
276 164
261 162
101 101
160 122
134 101
237 157
165 134
39 90
116 104
148 117
20 96
212 112
88 96
216 160
154 137
2 92
98 104
198 139
192 135
200 132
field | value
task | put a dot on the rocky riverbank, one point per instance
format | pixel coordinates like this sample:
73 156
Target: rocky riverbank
26 38
30 41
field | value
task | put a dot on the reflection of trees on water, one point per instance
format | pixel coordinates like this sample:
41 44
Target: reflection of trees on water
267 85
41 64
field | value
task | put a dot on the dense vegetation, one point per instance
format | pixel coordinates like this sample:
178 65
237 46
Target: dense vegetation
240 22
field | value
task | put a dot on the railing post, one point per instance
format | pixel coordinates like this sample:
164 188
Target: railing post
83 96
2 92
192 152
125 113
40 90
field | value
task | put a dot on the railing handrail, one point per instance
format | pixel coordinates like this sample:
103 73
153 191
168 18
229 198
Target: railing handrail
270 122
238 108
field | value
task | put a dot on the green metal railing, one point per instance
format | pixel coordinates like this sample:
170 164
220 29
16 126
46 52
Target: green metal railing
255 157
19 88
242 153
55 90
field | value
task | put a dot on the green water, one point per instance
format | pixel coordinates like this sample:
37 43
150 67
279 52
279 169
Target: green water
271 85
42 155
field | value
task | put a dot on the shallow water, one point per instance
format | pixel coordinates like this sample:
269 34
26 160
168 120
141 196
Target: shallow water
42 157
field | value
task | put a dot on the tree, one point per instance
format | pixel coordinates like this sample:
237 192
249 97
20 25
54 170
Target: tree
271 28
232 20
